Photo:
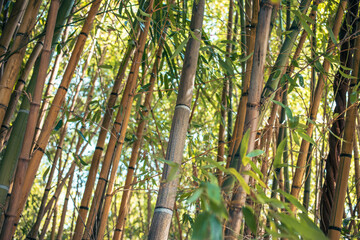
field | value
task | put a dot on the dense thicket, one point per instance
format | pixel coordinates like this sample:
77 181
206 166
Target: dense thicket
179 119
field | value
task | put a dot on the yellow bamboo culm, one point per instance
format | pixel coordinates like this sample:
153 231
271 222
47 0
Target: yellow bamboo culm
337 212
113 151
15 205
27 179
304 147
252 113
13 64
124 206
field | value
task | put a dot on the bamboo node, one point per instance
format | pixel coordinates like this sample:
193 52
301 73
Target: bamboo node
101 178
183 106
26 111
163 210
253 105
346 155
99 148
3 106
64 88
335 228
84 207
40 149
4 187
21 81
83 33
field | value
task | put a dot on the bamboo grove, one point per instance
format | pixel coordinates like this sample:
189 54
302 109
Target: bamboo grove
151 119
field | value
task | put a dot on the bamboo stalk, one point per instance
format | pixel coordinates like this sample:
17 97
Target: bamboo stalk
12 150
137 144
340 88
240 117
63 214
357 173
34 230
10 27
9 166
281 61
50 84
225 92
337 211
299 172
12 67
85 201
163 212
252 112
307 187
51 118
18 91
53 200
27 144
113 151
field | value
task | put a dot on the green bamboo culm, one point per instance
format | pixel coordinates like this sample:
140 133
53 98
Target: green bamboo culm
272 83
12 151
285 51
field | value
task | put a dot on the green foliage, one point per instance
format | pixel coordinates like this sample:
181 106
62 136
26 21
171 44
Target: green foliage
208 224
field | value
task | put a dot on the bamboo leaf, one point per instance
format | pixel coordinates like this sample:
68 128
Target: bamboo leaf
105 66
244 144
215 228
256 177
58 125
140 19
306 137
240 179
45 173
250 218
173 168
201 227
144 13
180 48
301 80
348 76
82 136
81 160
246 58
279 153
256 169
331 33
196 194
303 21
292 200
255 153
319 67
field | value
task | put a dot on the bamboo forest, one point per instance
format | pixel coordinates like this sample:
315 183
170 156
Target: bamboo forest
179 119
